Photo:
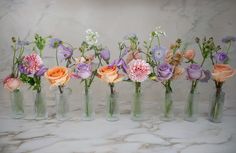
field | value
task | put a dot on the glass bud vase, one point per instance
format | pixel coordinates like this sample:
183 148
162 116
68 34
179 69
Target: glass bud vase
40 106
88 113
191 106
17 107
216 106
137 108
62 105
112 107
167 106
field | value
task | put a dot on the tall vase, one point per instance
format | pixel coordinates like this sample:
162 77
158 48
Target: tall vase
112 106
191 106
137 108
40 106
88 113
216 106
17 107
167 106
62 105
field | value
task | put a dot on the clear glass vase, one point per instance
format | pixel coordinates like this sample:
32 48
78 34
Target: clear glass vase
40 106
191 106
62 105
167 106
136 107
88 113
112 107
17 106
216 106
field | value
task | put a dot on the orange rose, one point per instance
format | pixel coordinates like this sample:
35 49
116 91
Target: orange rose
109 74
57 76
189 54
221 72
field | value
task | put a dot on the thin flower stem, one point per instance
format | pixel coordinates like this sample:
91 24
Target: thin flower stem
57 57
228 48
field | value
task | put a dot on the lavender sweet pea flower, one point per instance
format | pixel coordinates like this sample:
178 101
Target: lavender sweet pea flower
55 42
41 71
83 70
227 39
64 52
105 55
158 53
121 64
221 57
164 72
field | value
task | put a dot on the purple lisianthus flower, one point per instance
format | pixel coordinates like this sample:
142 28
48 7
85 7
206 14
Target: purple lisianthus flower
195 72
221 57
164 72
227 39
158 53
105 55
41 71
64 52
121 64
55 42
83 70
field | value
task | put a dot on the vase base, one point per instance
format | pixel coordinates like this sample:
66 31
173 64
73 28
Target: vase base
112 119
137 118
63 118
17 116
166 119
41 117
190 119
214 121
85 118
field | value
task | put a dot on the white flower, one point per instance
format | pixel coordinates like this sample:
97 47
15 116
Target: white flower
91 37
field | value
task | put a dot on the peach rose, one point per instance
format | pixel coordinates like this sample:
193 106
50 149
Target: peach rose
221 72
109 74
189 54
57 76
11 84
133 55
174 59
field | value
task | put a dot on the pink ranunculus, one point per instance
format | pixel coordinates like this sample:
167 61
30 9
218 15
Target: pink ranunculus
138 70
11 83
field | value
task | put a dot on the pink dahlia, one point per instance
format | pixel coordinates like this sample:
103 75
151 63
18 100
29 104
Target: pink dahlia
138 70
32 63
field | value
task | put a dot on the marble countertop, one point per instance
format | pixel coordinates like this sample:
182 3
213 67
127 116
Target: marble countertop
124 136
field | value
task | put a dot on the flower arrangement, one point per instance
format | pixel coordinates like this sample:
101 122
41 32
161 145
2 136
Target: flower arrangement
220 73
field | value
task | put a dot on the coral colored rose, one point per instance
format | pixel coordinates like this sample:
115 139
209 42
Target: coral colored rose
57 76
109 74
133 55
138 70
11 83
221 72
189 54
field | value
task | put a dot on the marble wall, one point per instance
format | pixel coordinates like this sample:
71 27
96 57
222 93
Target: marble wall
68 20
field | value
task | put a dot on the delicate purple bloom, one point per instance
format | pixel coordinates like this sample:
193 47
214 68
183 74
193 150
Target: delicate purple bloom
64 52
55 42
227 39
121 64
195 72
83 70
221 57
22 69
164 72
158 53
41 71
105 55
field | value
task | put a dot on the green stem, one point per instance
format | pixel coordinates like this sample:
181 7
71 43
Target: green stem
228 48
111 99
137 100
57 57
168 99
86 97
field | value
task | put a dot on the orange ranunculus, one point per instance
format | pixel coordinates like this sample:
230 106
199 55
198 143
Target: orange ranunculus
58 75
221 72
109 74
189 54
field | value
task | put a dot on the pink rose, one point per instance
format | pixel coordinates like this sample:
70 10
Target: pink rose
11 83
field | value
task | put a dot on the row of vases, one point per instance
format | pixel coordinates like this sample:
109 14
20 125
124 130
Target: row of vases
112 106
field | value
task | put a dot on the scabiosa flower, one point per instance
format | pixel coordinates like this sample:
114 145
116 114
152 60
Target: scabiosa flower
91 37
221 57
227 39
55 42
83 70
165 72
158 53
64 52
31 64
138 70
